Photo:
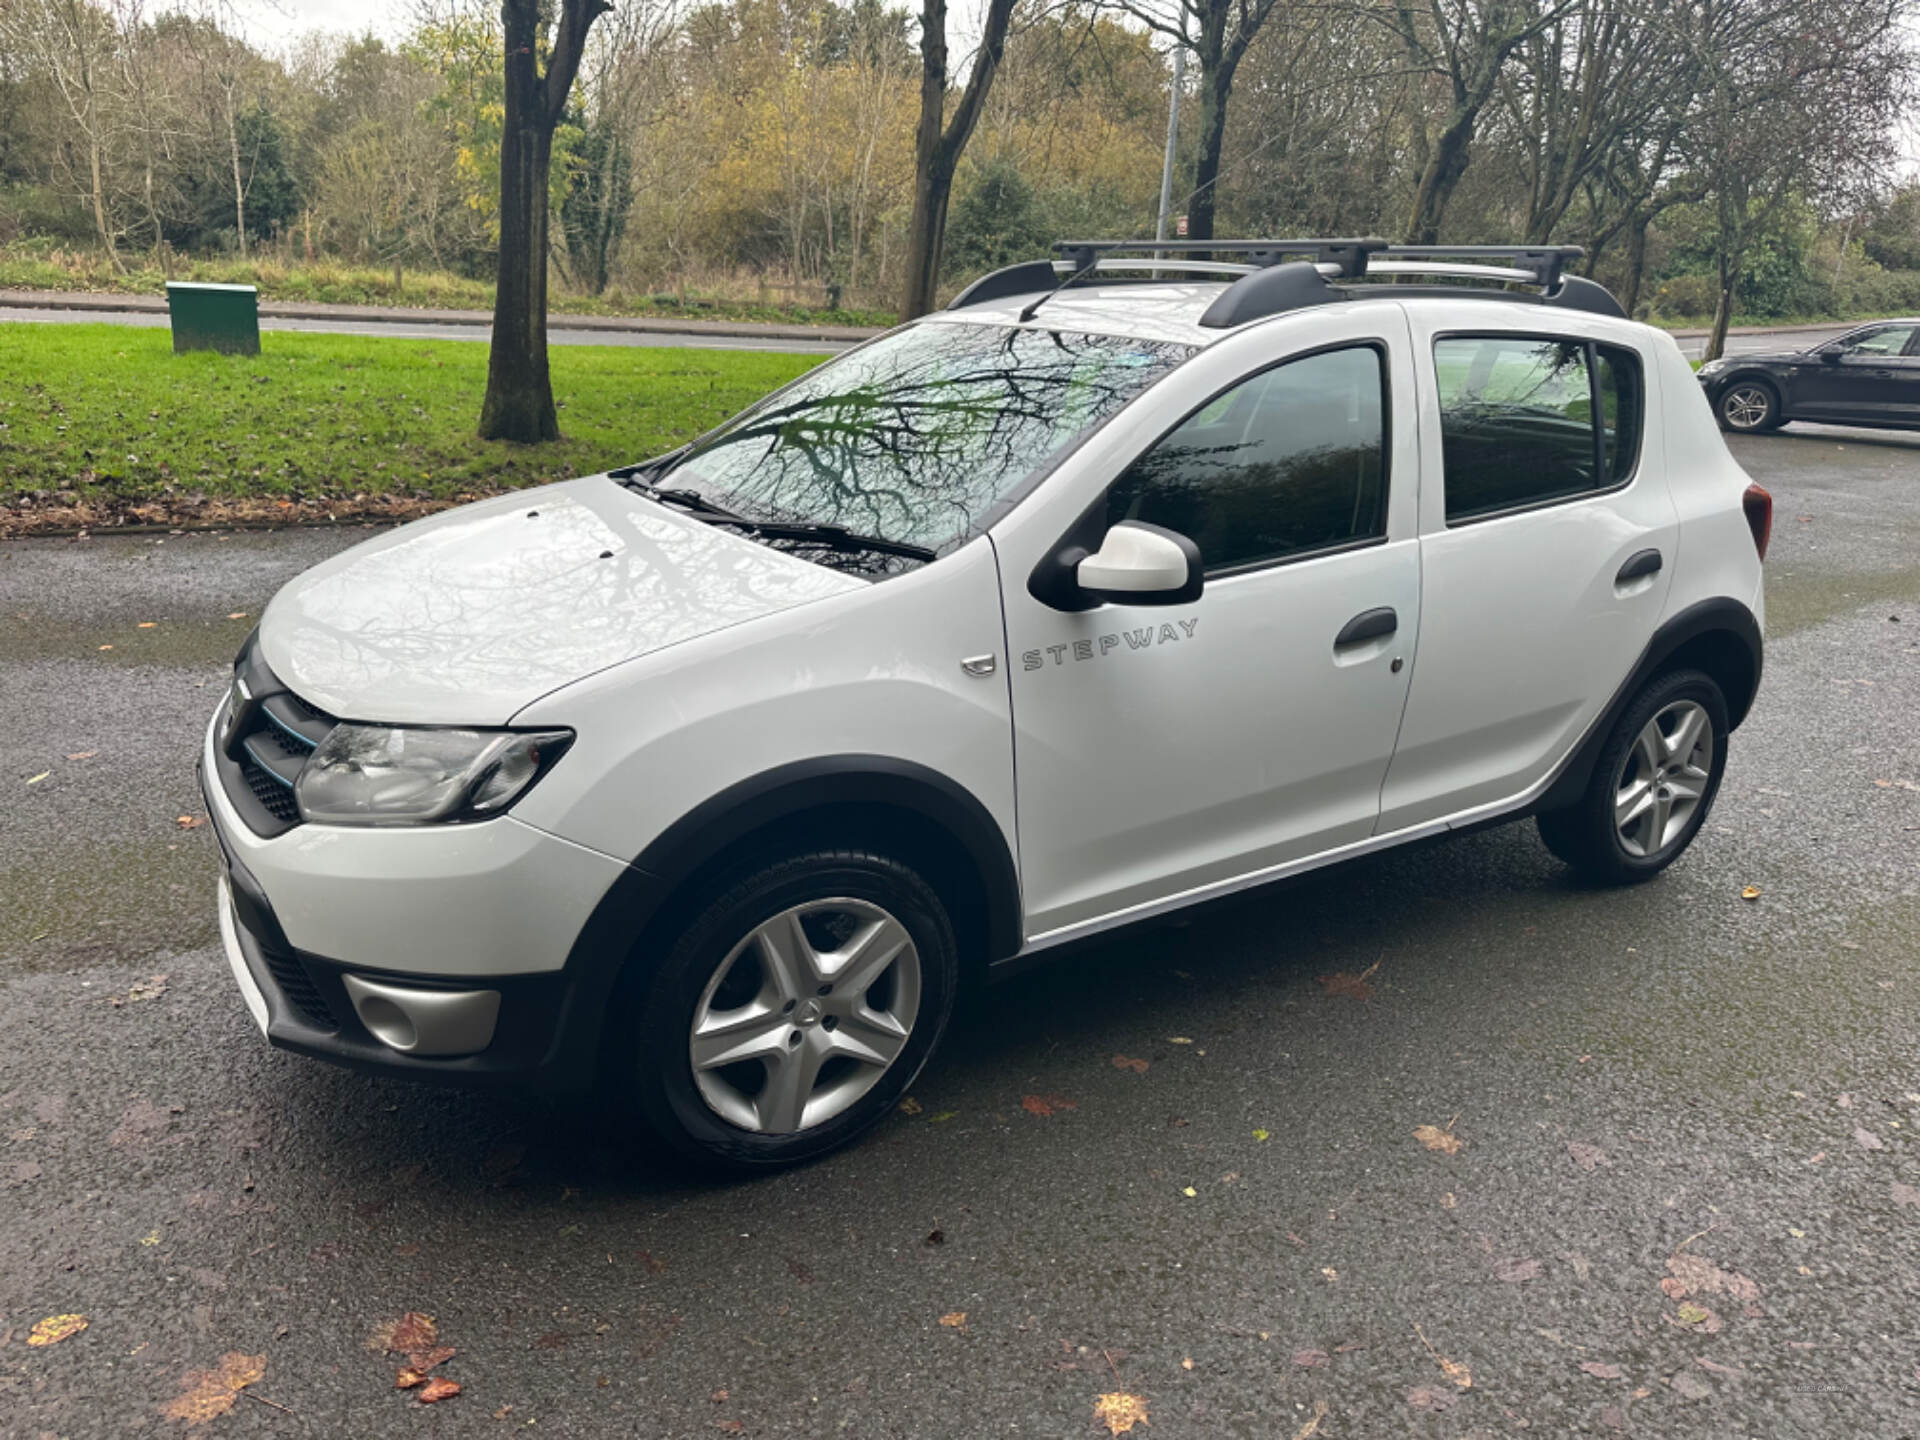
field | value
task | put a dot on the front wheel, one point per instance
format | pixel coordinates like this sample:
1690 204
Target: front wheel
1749 407
794 1010
1652 786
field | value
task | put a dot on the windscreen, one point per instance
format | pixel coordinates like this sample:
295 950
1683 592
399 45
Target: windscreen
913 437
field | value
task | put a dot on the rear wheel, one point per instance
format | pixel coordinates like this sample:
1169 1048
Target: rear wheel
1749 407
793 1011
1652 786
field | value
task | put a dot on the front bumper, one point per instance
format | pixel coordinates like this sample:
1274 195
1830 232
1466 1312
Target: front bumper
490 907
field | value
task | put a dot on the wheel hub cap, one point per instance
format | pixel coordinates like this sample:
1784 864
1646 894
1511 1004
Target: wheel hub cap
1663 778
804 1015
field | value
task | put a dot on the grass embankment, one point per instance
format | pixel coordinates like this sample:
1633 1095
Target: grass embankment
104 425
337 283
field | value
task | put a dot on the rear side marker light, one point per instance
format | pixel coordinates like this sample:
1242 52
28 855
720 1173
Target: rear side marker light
1758 505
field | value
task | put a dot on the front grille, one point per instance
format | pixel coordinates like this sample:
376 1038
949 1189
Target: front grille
275 797
294 982
260 763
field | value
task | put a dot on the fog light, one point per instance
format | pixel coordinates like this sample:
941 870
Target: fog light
425 1022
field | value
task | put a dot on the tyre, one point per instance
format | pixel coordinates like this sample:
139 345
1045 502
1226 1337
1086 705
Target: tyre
1652 786
793 1011
1749 407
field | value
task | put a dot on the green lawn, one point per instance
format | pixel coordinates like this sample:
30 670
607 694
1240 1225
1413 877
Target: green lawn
102 424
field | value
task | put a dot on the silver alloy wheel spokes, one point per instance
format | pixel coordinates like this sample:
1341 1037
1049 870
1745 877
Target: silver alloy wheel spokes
1663 779
1745 406
804 1015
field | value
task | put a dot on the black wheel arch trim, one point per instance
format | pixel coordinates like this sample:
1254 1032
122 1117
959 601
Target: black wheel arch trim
1718 616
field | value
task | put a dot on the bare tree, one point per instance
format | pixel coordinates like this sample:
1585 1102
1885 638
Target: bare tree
939 140
73 45
519 400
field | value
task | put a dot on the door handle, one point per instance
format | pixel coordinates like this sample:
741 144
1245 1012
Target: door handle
1369 625
1647 562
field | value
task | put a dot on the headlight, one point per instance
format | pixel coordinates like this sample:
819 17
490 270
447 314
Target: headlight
1712 367
377 775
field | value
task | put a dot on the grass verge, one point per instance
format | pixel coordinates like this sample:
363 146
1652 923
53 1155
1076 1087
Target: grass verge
104 425
337 283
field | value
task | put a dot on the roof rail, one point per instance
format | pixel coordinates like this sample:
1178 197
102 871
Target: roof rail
1282 275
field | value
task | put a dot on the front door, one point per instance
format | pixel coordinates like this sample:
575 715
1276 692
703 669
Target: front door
1163 753
1859 379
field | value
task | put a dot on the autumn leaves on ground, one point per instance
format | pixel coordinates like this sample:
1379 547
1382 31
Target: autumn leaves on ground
102 425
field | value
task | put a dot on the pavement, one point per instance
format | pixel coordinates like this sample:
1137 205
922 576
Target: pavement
1672 1186
78 307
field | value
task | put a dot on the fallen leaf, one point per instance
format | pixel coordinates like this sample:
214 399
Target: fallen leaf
732 1427
83 755
1430 1397
36 779
954 1319
1697 1275
1457 1372
190 822
1312 1427
1310 1359
1179 1040
1600 1370
437 1389
1261 1136
909 1106
1587 1157
106 647
55 1328
1044 1105
1689 1386
1705 1364
1189 1191
425 1360
1905 1194
146 625
208 1394
1752 892
238 615
1866 1139
151 988
1614 1418
935 1237
407 1378
1187 1363
1123 1062
1513 1272
1354 987
1434 1138
1120 1412
411 1332
943 1115
1698 1317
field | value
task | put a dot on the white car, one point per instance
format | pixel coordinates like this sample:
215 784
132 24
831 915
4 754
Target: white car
1126 582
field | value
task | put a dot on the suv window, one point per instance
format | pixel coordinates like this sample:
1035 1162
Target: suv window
1519 423
1887 340
1290 461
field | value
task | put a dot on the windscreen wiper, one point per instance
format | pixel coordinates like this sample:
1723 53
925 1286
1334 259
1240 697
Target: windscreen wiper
836 537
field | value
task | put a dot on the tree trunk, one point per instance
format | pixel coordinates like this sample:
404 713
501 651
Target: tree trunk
519 403
1216 83
937 150
1722 309
239 190
1446 163
1636 263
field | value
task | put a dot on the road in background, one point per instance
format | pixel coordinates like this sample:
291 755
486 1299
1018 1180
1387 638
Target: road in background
607 331
1179 1163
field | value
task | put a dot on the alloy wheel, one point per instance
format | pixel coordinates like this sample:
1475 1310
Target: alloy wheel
804 1015
1746 407
1663 778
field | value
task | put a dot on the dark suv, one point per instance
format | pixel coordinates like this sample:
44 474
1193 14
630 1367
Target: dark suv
1869 376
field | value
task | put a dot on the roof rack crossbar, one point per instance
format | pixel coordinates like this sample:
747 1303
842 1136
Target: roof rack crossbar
1541 264
1350 255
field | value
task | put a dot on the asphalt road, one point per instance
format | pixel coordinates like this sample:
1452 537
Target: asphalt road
1692 346
1686 1199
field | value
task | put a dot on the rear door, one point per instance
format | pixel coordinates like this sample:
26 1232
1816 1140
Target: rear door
1167 752
1547 544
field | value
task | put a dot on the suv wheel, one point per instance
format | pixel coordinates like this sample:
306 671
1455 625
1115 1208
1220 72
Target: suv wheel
1749 406
795 1009
1652 786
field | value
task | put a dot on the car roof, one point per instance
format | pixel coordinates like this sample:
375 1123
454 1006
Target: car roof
1171 310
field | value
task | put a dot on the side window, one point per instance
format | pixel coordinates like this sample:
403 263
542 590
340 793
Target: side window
1525 421
1888 340
1290 461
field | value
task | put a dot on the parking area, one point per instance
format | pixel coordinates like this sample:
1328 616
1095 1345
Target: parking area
1665 1180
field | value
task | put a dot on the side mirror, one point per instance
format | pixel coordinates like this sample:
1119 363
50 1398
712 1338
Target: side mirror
1142 564
1833 355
